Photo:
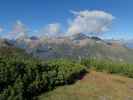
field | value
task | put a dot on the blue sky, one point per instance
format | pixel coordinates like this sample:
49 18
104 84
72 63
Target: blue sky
37 13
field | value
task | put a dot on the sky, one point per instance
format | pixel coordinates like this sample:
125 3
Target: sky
56 16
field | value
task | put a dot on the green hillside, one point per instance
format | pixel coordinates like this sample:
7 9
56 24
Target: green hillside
23 77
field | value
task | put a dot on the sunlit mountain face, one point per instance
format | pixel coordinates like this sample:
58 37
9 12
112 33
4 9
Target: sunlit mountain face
75 47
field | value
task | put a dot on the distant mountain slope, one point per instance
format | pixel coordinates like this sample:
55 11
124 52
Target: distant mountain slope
129 44
8 50
5 43
77 46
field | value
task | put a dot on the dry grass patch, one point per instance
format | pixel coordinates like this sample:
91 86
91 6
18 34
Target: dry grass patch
94 86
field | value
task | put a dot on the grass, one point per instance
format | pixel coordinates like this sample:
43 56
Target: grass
94 86
109 66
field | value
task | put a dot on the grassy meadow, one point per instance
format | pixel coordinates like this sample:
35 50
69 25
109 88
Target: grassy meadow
94 86
105 80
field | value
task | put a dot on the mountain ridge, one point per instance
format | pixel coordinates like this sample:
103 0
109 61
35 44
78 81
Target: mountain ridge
77 46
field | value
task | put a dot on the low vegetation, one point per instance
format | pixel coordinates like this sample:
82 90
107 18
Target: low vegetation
109 66
24 78
94 86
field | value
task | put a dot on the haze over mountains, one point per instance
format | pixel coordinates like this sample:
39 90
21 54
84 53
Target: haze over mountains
129 43
76 46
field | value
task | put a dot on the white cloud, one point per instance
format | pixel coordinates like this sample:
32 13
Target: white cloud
89 22
51 30
18 28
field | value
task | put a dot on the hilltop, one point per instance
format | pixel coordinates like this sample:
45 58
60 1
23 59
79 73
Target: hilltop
94 86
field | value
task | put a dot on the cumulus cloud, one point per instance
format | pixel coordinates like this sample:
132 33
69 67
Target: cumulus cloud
18 28
90 22
51 30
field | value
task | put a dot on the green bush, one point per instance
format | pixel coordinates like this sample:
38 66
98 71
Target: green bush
23 79
109 66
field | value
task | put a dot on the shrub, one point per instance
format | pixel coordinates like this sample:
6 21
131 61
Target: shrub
109 66
24 79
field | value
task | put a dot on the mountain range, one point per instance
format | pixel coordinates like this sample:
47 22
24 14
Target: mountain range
77 46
